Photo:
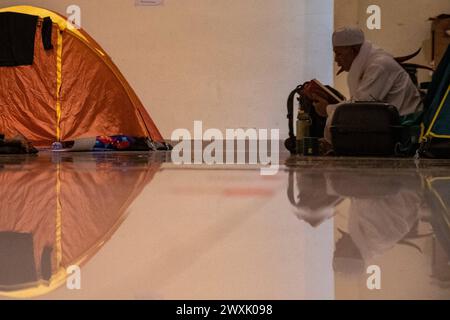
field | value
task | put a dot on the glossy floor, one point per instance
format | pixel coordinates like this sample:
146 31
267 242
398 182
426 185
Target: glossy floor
142 227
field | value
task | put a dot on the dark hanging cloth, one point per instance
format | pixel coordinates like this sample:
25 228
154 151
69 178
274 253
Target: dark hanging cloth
18 266
47 27
17 34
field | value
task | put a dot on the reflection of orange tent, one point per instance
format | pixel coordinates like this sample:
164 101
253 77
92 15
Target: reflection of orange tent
72 91
57 214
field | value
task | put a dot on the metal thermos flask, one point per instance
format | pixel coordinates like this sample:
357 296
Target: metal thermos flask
303 129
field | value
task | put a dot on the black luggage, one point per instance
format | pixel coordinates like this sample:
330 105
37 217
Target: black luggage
365 129
15 146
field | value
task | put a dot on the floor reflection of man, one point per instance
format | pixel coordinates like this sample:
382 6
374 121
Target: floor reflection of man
376 222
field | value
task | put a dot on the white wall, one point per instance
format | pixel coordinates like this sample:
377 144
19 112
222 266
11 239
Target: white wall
345 13
230 63
405 26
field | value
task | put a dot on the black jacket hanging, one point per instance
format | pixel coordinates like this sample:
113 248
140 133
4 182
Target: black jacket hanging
47 26
17 34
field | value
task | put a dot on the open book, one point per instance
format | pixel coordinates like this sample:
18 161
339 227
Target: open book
315 87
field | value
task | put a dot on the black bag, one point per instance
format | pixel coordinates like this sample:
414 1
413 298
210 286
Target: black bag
435 148
317 122
15 147
365 129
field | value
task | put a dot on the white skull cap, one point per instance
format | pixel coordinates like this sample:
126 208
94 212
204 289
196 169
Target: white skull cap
348 36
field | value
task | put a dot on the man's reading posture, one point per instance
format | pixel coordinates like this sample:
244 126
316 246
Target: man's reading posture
373 75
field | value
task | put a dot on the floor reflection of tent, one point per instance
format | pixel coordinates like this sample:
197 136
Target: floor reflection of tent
58 212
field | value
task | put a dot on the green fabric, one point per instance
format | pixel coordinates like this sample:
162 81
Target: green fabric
412 119
441 126
435 96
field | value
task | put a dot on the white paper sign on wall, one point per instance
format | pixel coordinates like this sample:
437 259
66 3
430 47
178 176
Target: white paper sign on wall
148 2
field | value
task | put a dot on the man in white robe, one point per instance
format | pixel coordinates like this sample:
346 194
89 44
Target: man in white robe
374 75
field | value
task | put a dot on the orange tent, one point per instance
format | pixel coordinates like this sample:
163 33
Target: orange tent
72 91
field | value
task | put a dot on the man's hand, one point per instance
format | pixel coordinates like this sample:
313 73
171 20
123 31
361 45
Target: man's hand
320 105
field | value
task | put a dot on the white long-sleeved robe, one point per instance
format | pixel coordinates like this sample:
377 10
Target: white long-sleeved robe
376 76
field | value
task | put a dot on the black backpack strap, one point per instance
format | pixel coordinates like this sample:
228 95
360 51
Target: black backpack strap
290 109
291 189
